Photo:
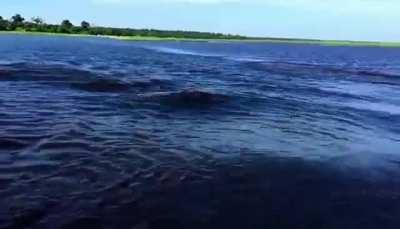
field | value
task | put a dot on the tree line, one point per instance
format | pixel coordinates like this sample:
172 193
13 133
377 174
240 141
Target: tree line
37 24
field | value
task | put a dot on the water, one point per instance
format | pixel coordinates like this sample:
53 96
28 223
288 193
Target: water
100 133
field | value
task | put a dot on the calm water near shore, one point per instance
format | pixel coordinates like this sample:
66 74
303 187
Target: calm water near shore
101 133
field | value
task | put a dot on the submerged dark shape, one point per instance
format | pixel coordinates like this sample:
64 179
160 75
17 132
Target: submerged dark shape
152 84
43 73
190 98
102 85
115 85
11 144
3 71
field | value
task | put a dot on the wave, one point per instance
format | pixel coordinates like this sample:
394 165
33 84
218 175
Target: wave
246 59
391 109
300 68
187 98
102 85
119 86
42 72
79 79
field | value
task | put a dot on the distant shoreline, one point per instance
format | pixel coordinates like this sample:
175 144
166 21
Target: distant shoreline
247 40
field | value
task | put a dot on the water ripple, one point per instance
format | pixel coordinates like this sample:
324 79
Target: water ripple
197 135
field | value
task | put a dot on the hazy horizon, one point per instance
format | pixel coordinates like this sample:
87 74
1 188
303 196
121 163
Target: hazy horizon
362 20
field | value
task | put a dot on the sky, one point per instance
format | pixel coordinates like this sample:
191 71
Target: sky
373 20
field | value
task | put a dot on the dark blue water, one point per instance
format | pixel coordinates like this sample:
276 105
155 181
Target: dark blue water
100 133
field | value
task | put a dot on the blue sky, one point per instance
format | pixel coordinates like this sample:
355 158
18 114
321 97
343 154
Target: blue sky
325 19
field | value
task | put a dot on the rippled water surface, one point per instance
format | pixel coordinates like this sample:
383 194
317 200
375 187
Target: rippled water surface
100 133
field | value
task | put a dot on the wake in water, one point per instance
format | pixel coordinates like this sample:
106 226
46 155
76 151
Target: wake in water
145 135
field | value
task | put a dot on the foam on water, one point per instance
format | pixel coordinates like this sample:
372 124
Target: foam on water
182 51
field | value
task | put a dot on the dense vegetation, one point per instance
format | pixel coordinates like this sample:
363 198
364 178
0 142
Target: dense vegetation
36 24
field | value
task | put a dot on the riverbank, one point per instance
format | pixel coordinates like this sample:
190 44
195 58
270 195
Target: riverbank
251 40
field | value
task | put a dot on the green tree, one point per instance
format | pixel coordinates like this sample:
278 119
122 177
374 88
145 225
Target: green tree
17 21
85 25
66 26
37 20
3 24
38 24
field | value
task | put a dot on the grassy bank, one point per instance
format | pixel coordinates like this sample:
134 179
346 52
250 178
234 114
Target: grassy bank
269 40
249 40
